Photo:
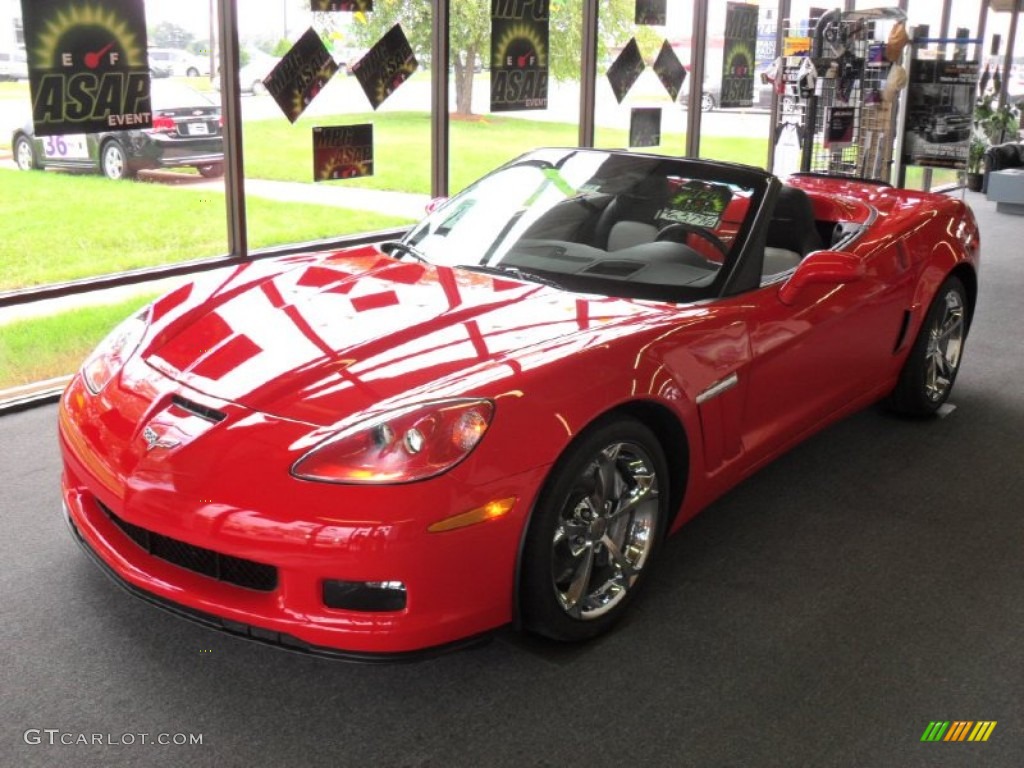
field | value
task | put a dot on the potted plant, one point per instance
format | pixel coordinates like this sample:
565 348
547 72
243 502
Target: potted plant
975 155
996 124
992 125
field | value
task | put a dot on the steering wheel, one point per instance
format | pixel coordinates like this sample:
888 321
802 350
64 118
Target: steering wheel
671 232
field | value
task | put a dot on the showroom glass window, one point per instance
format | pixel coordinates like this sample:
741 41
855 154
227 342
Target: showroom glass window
736 117
514 85
120 200
646 97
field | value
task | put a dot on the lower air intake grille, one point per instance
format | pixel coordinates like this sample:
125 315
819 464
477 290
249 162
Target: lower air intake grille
233 570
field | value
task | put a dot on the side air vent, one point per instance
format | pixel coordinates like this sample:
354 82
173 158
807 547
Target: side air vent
198 409
902 335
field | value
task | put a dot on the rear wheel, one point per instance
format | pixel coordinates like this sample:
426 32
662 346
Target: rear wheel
930 371
192 72
114 162
211 171
594 533
707 102
24 154
258 88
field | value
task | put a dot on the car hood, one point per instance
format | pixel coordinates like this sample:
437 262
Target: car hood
324 338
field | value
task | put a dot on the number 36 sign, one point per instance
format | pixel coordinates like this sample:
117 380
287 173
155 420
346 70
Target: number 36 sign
69 147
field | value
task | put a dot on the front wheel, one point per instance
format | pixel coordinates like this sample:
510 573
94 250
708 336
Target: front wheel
24 154
930 370
114 162
707 102
594 532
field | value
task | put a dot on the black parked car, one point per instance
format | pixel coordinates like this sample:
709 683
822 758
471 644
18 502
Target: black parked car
186 131
946 123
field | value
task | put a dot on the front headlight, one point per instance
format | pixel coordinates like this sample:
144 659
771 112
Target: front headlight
401 446
113 352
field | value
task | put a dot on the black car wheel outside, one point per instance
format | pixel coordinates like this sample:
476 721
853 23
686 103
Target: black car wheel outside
114 162
595 531
192 72
211 171
25 154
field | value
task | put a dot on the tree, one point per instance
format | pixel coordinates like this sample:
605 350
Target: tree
168 35
470 32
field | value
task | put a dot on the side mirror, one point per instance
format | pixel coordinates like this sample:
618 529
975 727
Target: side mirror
821 268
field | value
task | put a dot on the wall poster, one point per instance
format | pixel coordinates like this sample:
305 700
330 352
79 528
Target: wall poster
940 105
650 12
738 56
342 151
88 69
645 127
386 66
332 6
625 70
519 54
301 74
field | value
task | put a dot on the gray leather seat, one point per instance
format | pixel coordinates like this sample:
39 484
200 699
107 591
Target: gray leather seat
792 232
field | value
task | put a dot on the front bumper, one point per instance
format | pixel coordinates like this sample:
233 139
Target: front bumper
459 583
278 639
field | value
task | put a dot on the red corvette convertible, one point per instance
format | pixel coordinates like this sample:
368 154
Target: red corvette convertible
500 417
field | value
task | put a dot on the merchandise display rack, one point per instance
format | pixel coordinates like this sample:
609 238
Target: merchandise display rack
847 125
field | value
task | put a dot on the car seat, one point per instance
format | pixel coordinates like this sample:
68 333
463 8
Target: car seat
792 232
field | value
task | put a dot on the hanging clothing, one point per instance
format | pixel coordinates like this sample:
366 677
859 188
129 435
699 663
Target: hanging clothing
789 143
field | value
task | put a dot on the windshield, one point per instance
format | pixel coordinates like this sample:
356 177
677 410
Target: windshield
616 223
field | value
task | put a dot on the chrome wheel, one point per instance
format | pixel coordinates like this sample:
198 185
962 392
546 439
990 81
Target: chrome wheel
707 102
23 154
112 161
945 342
930 369
605 532
594 531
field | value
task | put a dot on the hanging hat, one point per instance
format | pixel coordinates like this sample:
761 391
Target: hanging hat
898 39
894 83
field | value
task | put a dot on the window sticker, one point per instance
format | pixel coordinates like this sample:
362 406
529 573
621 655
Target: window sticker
342 151
386 66
87 66
300 75
696 203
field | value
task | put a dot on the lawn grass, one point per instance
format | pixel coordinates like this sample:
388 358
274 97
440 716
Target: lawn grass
42 348
61 226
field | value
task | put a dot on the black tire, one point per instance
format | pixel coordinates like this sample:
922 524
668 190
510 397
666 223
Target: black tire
211 171
258 88
25 154
114 162
707 102
192 72
930 371
597 526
